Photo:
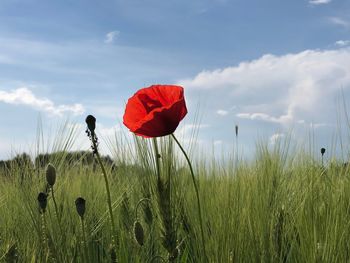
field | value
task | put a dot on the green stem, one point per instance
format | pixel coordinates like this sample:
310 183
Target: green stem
109 201
156 151
138 204
56 210
197 194
57 214
84 239
54 202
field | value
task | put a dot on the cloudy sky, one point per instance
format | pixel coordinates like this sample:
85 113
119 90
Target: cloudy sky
269 66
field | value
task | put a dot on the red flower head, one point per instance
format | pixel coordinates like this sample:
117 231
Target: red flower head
155 111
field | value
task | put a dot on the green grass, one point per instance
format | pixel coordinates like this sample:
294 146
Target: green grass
278 207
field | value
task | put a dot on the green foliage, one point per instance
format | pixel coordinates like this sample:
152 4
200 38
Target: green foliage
278 208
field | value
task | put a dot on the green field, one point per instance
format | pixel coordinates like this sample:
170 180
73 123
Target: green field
278 207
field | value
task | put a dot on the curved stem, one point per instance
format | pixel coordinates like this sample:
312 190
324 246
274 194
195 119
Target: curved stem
138 204
109 201
54 202
56 210
197 194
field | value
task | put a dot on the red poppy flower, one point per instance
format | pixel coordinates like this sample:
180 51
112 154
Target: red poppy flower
155 111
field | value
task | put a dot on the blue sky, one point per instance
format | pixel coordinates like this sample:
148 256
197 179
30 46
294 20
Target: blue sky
269 66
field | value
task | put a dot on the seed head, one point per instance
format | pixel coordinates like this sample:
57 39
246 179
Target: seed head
50 174
80 206
139 233
42 201
323 150
91 123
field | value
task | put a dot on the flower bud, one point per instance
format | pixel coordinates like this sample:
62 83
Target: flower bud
80 206
91 122
236 130
50 174
139 233
323 150
42 201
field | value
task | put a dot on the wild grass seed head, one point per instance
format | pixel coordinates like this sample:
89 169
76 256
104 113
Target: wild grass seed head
139 233
91 123
42 201
80 206
50 175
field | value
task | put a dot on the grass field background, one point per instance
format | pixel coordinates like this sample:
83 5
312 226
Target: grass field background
281 206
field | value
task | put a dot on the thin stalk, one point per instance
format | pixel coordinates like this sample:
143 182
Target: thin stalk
84 239
44 237
197 194
57 214
54 202
139 203
56 210
156 151
109 201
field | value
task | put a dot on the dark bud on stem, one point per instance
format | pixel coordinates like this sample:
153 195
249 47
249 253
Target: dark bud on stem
80 206
42 201
139 233
50 175
323 150
236 130
91 123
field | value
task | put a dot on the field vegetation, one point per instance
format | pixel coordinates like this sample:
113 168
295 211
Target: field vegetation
282 206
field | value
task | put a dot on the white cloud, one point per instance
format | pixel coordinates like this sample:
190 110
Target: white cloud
222 112
107 110
111 36
284 119
24 96
342 43
319 2
288 89
340 22
105 131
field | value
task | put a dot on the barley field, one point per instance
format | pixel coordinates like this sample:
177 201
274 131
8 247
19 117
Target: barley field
282 206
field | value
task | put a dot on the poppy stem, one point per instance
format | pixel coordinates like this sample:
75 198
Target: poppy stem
156 151
197 194
56 211
109 201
